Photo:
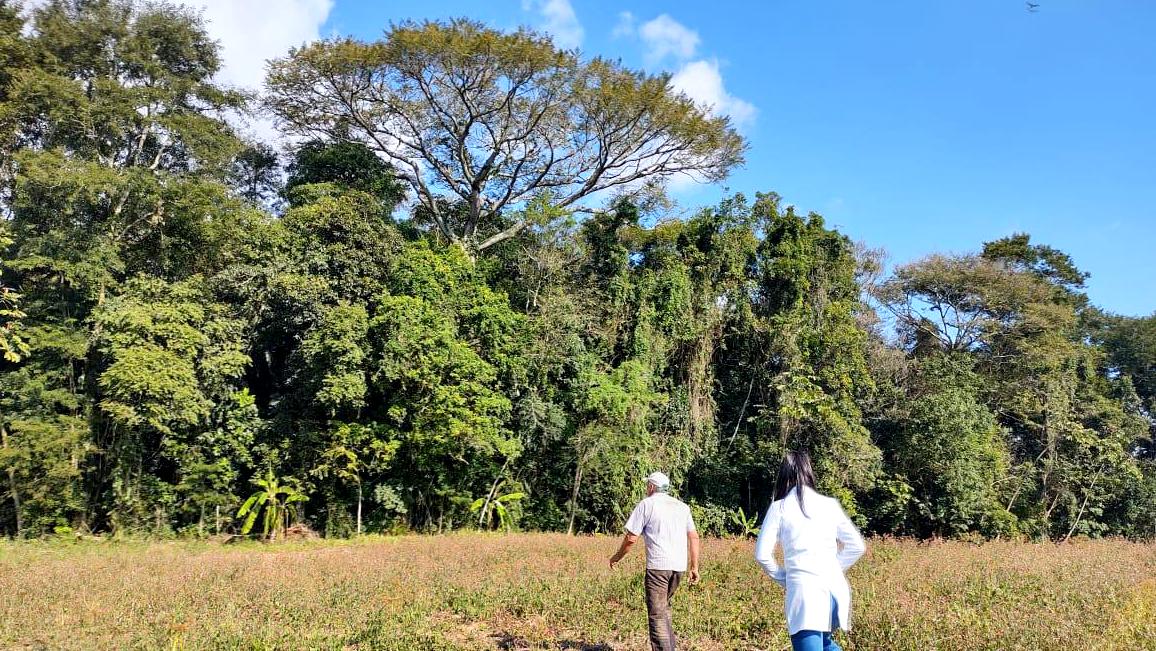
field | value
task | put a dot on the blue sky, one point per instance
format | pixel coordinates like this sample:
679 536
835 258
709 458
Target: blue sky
913 126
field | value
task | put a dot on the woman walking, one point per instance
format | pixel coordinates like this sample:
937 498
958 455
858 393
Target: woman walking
819 544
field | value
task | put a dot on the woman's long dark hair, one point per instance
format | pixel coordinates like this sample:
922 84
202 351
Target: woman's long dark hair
795 472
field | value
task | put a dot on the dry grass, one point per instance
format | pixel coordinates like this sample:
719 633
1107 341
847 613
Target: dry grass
550 591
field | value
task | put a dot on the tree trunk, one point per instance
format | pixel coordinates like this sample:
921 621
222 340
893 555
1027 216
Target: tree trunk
359 508
574 497
1049 464
99 475
742 411
1087 495
12 485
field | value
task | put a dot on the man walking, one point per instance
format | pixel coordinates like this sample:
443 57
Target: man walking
668 530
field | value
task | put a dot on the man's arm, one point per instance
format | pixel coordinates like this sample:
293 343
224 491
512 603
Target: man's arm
693 541
627 542
635 525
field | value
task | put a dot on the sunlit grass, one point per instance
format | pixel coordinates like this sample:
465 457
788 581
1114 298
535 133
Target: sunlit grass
474 591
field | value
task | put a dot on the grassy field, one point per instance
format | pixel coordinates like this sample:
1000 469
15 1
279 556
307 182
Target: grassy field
534 591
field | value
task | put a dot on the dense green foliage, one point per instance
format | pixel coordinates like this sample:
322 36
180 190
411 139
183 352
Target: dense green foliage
182 321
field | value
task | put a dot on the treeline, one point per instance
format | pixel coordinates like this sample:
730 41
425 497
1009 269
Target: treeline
461 302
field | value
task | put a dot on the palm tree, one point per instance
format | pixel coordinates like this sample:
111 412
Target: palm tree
277 509
748 527
499 505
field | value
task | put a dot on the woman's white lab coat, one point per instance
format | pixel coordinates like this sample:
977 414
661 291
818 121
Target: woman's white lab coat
813 563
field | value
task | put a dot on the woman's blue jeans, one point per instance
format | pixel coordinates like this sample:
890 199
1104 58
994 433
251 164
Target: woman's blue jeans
818 640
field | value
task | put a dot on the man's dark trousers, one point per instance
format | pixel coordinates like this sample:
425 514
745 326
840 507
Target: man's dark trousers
660 587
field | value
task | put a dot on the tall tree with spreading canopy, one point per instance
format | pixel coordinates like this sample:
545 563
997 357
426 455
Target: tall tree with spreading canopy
479 122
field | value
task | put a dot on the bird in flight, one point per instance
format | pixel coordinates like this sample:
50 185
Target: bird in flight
1032 6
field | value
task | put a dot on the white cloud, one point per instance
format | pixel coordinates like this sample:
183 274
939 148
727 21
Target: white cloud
665 36
625 25
702 82
558 20
251 33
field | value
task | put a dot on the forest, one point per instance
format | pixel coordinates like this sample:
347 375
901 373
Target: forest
456 296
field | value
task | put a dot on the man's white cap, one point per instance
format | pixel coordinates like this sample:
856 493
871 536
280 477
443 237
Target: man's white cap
659 479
